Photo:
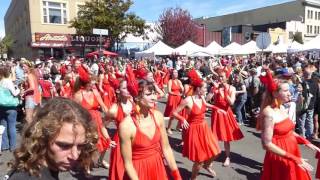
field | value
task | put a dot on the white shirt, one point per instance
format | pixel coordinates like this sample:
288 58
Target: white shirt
7 83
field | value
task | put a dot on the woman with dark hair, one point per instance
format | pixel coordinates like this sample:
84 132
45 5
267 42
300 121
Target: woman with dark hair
223 123
143 138
283 158
87 95
60 137
175 90
200 144
118 111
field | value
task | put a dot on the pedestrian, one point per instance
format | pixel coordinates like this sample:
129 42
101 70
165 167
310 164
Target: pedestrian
60 137
118 111
175 91
283 158
223 122
8 112
200 145
31 92
143 139
87 95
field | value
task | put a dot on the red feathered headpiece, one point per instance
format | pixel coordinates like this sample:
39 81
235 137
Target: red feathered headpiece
84 75
268 81
196 81
141 73
132 82
114 82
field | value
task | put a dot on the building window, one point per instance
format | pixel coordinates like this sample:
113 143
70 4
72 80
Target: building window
308 14
315 15
311 14
54 12
315 29
307 29
310 29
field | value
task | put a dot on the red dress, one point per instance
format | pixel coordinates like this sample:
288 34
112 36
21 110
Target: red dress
173 100
276 167
200 144
103 143
116 170
158 79
147 157
224 124
109 96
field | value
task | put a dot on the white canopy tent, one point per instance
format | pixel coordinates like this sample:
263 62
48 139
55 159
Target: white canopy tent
159 49
314 44
294 47
213 48
249 48
189 48
280 48
233 48
200 54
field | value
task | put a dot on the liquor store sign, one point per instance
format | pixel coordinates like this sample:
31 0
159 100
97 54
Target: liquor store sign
69 39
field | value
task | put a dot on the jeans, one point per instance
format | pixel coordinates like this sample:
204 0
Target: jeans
238 106
305 123
8 118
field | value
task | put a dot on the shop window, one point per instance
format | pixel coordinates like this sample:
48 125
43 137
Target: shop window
54 12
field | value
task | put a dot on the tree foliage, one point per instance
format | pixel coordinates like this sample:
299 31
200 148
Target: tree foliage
112 15
175 27
5 44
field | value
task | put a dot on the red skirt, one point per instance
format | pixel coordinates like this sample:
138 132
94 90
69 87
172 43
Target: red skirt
116 170
103 143
200 144
172 104
150 168
276 167
225 126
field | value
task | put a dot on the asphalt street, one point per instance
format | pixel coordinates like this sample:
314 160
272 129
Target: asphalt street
246 159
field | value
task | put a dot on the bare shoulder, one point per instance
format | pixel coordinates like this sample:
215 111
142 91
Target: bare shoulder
127 128
113 109
158 117
267 113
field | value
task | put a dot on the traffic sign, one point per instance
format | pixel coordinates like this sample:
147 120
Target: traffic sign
100 31
263 40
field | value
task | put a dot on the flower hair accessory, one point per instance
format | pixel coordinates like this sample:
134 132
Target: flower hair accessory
268 81
196 81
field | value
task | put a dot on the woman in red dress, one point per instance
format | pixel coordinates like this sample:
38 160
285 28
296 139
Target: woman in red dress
175 90
283 158
88 96
200 144
223 122
105 87
118 112
144 142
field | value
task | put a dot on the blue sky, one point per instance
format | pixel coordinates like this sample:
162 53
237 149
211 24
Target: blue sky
151 9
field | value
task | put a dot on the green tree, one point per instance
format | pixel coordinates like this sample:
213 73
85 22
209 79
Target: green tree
298 37
112 15
5 44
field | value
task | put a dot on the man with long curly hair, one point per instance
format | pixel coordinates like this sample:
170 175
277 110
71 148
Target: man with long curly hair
60 137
